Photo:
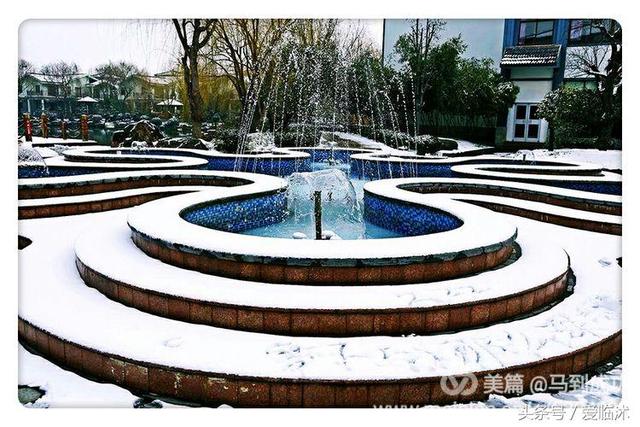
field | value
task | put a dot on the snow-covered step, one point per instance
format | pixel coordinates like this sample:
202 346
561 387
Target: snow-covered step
567 207
480 242
580 177
209 365
71 195
604 223
125 274
565 197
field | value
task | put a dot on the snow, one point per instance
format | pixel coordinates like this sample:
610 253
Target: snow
119 259
50 285
518 186
124 175
520 172
603 389
160 219
86 157
463 146
608 159
64 389
46 152
37 140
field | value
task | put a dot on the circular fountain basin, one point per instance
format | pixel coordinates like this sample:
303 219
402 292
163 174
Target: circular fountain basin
165 229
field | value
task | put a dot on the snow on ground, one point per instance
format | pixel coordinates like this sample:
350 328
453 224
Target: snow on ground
52 140
66 389
463 146
608 159
603 389
590 314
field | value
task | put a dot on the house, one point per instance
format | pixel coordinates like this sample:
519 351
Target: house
40 92
536 56
146 91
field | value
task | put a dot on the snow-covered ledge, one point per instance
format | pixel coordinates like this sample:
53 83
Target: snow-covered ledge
482 241
569 338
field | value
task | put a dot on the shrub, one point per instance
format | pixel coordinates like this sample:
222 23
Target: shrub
575 115
429 144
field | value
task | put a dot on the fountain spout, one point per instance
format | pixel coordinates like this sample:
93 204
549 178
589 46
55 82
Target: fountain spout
317 199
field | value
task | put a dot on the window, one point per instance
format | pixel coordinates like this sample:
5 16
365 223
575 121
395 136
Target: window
535 32
78 92
584 31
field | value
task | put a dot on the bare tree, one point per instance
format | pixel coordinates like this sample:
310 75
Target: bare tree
354 40
60 75
604 64
242 49
25 69
194 34
315 32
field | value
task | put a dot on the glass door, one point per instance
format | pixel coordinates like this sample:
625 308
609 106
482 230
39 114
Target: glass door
527 123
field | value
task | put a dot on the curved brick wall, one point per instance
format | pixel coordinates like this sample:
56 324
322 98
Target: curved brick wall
288 270
213 388
94 186
591 205
334 322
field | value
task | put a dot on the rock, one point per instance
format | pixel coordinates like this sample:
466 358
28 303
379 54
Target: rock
299 235
27 394
117 138
143 130
147 403
170 125
181 142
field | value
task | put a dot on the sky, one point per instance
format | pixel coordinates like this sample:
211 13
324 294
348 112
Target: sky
483 37
152 44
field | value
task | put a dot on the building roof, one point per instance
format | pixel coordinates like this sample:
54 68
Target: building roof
170 102
534 55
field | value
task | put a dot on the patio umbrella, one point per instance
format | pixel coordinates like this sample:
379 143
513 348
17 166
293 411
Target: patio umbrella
170 103
87 100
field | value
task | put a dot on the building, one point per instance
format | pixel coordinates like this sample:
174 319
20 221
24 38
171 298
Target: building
41 92
537 55
143 93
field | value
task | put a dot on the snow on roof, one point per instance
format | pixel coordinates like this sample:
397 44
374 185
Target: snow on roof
170 102
536 55
87 99
159 80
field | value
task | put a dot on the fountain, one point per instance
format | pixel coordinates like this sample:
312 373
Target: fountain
340 205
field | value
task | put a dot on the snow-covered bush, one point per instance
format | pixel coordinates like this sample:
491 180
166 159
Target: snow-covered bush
575 116
259 142
429 144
